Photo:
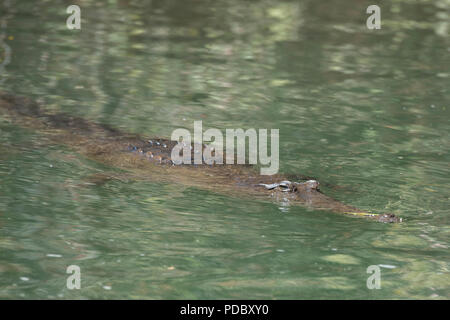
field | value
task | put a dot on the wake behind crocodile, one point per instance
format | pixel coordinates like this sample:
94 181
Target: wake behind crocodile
152 159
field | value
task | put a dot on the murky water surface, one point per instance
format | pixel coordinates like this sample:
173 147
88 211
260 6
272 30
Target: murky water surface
364 110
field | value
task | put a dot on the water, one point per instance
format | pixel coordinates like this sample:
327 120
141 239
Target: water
364 110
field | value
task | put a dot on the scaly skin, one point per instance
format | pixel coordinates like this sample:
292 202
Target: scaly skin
151 159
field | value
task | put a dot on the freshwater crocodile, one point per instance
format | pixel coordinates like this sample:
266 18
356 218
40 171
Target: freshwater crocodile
151 159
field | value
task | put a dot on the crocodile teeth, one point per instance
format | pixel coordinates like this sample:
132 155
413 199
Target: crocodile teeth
285 184
269 186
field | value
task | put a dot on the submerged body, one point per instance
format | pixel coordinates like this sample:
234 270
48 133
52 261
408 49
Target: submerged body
151 159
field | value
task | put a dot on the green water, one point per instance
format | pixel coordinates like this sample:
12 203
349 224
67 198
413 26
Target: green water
366 110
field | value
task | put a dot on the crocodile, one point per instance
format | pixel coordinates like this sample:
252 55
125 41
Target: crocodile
150 159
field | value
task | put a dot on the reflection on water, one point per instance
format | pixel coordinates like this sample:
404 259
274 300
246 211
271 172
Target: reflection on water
365 111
